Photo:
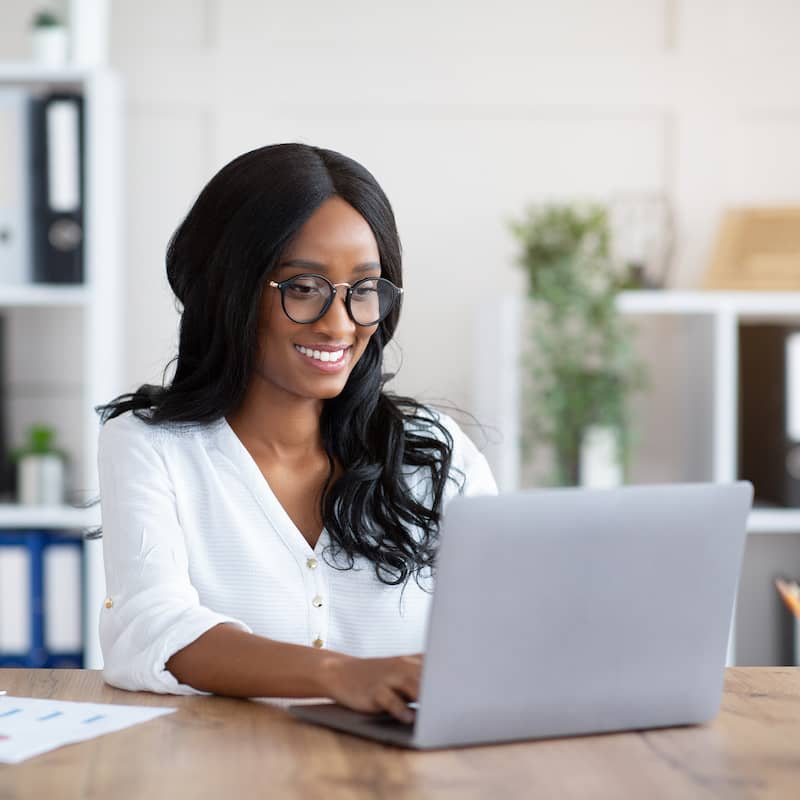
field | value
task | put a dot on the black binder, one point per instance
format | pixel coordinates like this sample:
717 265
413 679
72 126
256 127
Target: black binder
769 411
57 180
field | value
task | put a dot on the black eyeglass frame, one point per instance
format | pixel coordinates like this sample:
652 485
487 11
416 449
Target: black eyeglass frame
398 292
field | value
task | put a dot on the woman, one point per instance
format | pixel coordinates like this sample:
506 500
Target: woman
270 516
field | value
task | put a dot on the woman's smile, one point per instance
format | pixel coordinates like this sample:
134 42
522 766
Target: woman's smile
328 358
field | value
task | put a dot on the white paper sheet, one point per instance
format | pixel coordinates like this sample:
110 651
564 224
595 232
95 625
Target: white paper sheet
29 727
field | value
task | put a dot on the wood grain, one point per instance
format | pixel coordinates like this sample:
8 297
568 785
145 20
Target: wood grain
218 747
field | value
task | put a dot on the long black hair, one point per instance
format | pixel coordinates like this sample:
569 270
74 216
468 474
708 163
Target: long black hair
218 261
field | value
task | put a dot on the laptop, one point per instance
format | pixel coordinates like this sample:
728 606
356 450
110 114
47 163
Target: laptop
562 612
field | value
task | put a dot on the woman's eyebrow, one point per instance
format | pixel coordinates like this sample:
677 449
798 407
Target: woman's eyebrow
366 266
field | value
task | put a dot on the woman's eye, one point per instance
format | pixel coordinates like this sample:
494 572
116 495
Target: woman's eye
364 292
303 289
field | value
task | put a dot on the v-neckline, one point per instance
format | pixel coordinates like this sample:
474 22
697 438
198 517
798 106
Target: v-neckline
255 480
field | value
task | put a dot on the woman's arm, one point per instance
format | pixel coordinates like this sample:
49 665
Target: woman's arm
229 661
157 636
151 610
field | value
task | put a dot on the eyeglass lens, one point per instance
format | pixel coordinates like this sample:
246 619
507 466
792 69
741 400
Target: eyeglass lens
306 297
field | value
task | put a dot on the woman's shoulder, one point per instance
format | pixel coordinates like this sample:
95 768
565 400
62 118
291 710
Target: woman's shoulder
425 419
440 425
126 426
129 430
469 471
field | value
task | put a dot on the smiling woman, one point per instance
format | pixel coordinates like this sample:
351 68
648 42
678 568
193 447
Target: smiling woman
304 317
270 516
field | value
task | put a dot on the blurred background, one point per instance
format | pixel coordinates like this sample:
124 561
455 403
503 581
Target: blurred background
654 141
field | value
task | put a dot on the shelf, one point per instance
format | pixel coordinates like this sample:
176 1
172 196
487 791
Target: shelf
90 314
13 515
743 304
774 520
44 295
28 72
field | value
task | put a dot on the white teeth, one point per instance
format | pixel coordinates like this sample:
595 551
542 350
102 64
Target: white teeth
320 355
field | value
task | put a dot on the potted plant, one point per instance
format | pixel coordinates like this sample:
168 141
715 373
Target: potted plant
48 39
40 469
582 369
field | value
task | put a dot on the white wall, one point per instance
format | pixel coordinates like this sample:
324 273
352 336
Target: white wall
465 111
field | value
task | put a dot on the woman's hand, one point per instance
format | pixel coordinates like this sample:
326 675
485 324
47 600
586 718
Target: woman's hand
374 684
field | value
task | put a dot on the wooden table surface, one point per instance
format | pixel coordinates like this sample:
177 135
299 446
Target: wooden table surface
218 747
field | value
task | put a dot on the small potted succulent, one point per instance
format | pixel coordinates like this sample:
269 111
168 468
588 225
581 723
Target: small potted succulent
41 469
48 39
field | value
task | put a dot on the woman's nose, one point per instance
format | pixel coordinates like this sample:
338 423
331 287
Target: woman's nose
336 319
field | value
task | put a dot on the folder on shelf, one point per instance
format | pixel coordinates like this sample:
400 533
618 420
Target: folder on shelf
7 464
769 412
15 211
57 183
15 599
41 589
62 571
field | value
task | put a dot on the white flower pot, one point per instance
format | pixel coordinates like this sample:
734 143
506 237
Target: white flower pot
49 46
599 459
40 480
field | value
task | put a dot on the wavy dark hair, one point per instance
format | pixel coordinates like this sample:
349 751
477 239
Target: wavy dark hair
218 262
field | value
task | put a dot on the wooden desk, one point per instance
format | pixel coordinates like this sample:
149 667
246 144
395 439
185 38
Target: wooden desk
219 748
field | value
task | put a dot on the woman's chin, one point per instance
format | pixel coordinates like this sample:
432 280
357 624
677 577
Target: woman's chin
326 388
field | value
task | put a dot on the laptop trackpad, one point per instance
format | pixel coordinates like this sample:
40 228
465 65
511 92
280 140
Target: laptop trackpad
382 727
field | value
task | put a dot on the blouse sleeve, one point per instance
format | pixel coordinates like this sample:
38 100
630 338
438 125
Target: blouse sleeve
476 476
470 473
152 610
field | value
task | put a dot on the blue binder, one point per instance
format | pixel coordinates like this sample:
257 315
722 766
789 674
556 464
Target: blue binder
41 586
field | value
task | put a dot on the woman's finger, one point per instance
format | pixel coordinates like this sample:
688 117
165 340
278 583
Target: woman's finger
390 701
410 687
406 684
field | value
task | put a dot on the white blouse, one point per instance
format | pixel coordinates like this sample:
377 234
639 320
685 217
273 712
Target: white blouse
193 536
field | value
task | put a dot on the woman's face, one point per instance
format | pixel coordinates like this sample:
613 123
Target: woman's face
335 242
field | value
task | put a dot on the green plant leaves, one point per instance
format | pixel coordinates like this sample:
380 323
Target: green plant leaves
581 365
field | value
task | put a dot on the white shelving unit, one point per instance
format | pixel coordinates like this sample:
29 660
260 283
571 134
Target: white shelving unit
86 318
726 310
497 386
17 516
779 520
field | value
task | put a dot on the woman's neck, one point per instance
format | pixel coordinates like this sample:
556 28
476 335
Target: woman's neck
278 424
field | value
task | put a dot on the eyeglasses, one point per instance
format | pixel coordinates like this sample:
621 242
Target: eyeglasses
307 298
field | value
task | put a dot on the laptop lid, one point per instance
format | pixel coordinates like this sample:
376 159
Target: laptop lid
574 611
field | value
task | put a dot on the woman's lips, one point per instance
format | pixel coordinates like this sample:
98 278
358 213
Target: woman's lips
326 358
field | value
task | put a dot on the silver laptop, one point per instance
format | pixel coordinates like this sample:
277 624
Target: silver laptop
560 612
